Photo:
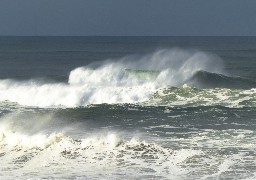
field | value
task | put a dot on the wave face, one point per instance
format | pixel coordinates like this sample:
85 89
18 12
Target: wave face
131 79
204 79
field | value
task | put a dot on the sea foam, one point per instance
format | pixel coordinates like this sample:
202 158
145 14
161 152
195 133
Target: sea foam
59 153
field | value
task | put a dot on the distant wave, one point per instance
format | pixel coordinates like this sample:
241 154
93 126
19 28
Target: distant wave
131 79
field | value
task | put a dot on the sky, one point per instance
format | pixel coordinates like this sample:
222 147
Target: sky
128 17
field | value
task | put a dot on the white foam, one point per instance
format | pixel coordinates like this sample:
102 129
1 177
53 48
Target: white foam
187 96
59 156
207 154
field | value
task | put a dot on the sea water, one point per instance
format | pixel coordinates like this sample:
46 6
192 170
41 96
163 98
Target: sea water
127 107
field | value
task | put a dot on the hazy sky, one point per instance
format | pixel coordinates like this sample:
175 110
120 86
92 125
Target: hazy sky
128 17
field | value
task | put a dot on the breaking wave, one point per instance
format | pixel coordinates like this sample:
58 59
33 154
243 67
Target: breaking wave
131 79
160 78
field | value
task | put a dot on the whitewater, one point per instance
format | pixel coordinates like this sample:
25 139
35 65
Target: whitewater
122 111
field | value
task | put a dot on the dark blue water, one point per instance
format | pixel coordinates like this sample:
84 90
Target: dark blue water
29 57
127 107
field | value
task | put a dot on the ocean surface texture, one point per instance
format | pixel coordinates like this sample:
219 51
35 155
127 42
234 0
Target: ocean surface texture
127 108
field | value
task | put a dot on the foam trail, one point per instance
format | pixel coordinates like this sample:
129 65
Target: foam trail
110 82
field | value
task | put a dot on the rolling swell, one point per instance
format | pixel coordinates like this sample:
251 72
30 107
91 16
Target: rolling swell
204 79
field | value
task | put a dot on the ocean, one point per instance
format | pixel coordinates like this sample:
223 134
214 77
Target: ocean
127 108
